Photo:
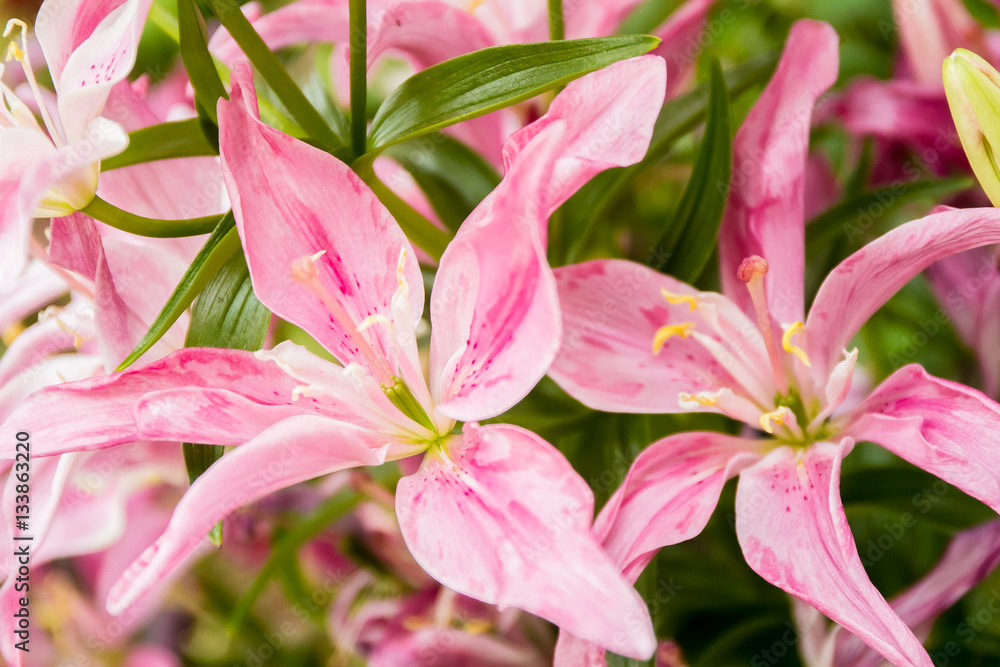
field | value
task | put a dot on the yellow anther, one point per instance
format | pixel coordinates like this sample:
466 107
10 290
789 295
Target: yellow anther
679 298
15 52
778 417
663 334
77 338
703 401
786 342
474 5
10 333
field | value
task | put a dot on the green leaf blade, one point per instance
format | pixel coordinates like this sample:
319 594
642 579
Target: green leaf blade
219 247
484 81
689 240
183 138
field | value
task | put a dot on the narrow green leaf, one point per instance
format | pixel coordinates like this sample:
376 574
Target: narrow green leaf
454 177
855 216
198 62
227 314
182 138
677 118
241 30
689 239
219 247
480 82
152 227
328 512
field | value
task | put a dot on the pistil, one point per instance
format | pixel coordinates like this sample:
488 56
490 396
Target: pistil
752 272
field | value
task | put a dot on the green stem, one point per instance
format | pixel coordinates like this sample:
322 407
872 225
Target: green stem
359 74
557 27
154 227
421 231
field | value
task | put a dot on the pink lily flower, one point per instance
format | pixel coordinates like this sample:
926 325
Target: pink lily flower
494 512
639 341
51 169
971 556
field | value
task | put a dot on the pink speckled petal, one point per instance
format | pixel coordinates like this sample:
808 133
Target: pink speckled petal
793 531
944 427
495 315
860 284
765 213
504 518
291 201
611 310
196 394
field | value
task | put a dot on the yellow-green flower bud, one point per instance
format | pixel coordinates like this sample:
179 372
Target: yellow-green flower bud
973 89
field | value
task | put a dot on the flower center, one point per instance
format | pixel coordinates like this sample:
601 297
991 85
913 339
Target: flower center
751 398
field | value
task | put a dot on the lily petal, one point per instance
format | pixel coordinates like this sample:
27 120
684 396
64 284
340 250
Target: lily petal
765 213
503 517
791 525
205 395
611 311
292 201
860 284
495 316
291 451
609 116
669 494
971 556
944 427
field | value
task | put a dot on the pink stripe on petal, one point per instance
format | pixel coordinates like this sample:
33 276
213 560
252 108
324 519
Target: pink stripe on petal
292 201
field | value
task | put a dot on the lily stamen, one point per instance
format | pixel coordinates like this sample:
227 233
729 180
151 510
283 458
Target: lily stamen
786 342
304 271
19 53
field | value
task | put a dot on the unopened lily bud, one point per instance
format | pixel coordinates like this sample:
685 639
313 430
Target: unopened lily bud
973 89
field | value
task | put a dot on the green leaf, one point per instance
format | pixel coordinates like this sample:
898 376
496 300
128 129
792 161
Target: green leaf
198 62
454 177
908 489
274 73
855 216
484 81
219 247
331 509
689 239
152 227
677 117
226 315
182 138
